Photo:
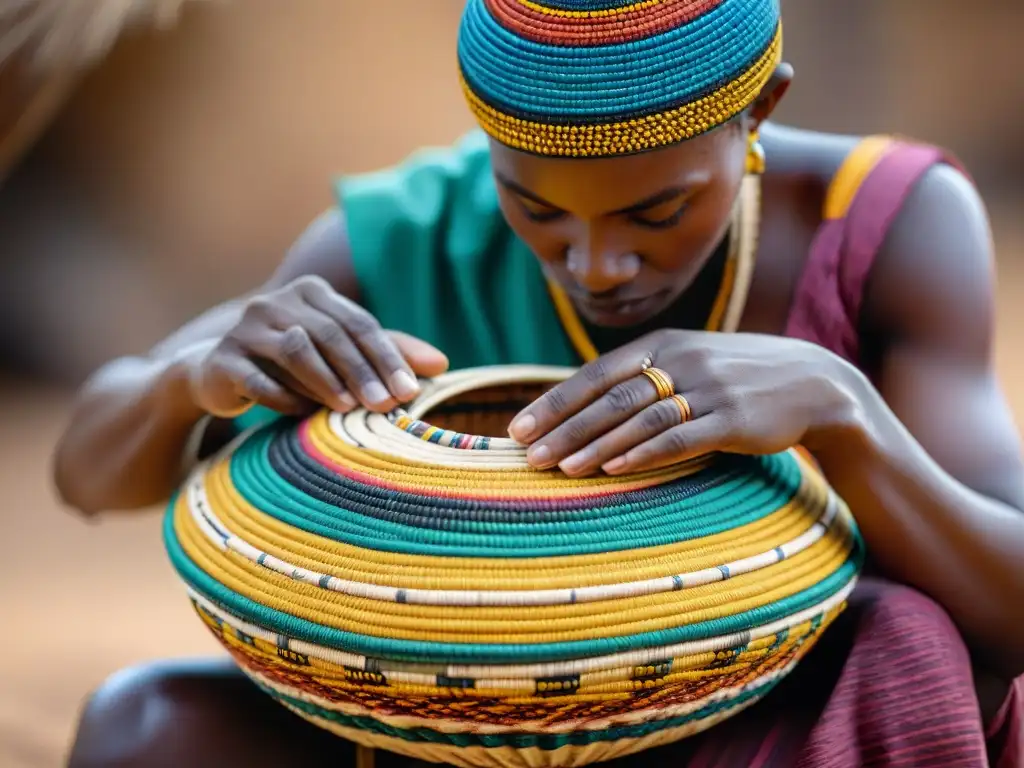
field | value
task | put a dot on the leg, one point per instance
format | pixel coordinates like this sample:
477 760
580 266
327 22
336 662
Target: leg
199 713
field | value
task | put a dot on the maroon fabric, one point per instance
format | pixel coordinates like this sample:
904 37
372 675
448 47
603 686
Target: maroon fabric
888 686
827 302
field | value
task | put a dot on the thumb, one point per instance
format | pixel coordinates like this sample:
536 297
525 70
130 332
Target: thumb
424 359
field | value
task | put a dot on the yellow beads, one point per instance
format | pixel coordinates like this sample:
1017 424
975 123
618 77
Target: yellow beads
637 134
589 14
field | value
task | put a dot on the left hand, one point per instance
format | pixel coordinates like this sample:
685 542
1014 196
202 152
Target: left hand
749 394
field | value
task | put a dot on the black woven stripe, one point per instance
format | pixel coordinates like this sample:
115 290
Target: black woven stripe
291 463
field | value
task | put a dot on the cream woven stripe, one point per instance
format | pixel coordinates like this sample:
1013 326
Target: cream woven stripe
220 536
492 675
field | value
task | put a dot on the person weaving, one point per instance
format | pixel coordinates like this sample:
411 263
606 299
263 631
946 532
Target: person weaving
626 205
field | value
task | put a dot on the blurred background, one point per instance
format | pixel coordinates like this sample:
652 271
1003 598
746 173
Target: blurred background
176 169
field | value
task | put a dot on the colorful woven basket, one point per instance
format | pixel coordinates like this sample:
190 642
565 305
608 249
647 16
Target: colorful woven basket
413 587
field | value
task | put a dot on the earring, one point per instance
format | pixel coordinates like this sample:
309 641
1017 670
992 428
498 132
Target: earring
755 154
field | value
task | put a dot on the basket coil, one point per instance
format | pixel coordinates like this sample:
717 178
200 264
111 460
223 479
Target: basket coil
413 587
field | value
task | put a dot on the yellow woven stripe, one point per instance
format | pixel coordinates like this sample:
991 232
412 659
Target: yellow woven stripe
589 14
495 625
398 570
372 566
852 173
558 623
619 692
635 135
620 684
414 476
542 706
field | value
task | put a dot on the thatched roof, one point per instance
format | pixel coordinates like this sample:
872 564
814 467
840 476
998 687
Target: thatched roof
45 45
58 33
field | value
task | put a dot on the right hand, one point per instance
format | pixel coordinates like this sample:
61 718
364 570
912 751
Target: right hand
303 346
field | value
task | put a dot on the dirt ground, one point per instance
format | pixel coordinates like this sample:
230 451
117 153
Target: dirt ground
79 600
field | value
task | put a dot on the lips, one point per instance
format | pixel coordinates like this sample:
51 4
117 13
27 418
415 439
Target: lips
620 311
621 308
617 304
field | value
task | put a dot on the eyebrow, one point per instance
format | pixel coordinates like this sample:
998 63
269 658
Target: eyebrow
669 193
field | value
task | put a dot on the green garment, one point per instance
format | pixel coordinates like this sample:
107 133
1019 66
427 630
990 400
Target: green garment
434 257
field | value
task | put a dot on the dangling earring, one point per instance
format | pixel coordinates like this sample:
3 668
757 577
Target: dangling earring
755 154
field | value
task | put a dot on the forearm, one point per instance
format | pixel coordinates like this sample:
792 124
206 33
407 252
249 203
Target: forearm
930 531
125 440
124 443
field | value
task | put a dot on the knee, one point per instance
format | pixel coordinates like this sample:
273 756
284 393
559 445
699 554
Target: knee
137 717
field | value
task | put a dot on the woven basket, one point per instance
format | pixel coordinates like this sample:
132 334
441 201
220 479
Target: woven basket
410 586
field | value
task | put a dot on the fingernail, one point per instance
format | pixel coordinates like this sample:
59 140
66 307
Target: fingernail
539 455
575 462
614 465
346 402
522 428
375 392
404 385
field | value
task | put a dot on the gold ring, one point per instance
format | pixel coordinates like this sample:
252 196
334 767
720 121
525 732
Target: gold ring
662 382
684 407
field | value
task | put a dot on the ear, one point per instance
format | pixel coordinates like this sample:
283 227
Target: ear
770 95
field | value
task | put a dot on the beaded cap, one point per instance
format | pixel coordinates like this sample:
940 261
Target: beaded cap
594 78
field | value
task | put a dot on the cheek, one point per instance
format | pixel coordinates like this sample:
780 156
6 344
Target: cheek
693 240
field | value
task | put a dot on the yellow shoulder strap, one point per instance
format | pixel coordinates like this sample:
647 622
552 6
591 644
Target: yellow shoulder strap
851 174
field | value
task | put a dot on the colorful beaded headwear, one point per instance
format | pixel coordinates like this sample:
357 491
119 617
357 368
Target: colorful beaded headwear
594 78
410 586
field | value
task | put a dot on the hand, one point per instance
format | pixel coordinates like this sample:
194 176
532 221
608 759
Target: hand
303 346
747 394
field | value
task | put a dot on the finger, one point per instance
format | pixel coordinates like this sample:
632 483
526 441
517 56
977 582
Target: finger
373 365
294 351
687 441
610 410
575 393
346 401
660 417
351 364
424 359
252 385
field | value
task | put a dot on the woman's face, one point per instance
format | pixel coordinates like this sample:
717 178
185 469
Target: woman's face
624 236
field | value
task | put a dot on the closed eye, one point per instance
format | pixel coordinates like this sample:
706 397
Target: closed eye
539 213
663 223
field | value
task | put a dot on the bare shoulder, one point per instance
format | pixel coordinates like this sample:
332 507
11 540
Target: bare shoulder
934 279
804 156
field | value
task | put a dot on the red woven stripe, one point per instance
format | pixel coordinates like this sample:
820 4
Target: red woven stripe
596 30
528 502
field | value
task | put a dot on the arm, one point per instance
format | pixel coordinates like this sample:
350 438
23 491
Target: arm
123 445
930 460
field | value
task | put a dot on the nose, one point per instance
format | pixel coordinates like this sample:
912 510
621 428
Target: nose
597 263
